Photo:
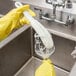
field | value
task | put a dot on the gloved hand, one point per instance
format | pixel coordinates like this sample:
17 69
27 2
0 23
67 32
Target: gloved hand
45 69
13 19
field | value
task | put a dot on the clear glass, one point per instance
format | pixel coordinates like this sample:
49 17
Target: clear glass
40 48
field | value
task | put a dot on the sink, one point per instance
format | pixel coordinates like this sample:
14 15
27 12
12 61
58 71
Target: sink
15 50
18 58
32 64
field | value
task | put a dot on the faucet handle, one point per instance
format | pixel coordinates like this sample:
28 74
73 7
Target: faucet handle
70 20
68 4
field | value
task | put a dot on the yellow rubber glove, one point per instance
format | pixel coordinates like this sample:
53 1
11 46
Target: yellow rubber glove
13 19
45 69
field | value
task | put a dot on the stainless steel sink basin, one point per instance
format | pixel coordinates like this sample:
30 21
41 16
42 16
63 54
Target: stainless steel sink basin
17 56
32 64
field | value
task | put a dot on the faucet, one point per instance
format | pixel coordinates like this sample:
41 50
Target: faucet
55 4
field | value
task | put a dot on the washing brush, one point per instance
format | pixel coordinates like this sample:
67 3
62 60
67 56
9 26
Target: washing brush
44 42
